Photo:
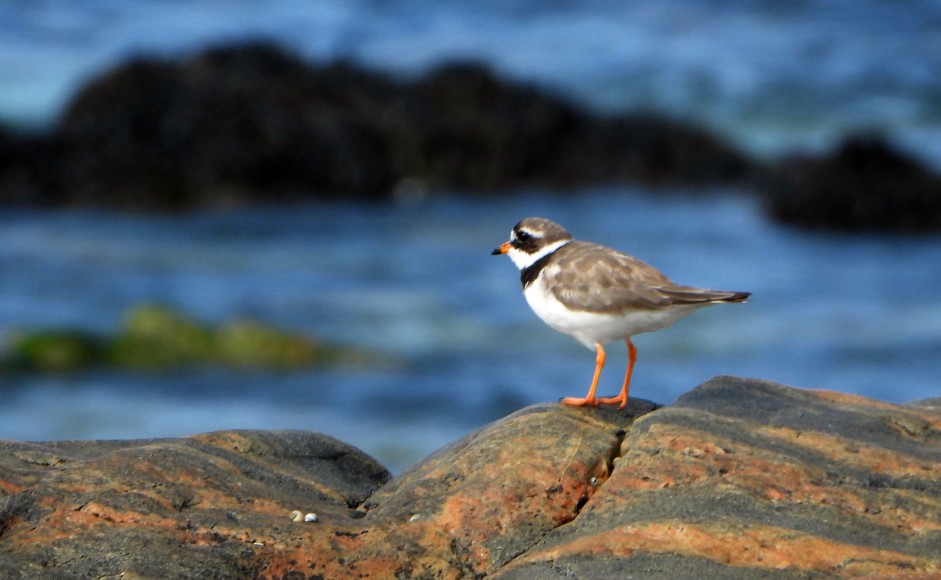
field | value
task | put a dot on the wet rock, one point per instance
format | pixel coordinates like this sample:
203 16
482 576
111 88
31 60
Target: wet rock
478 131
463 128
25 174
741 478
865 185
253 123
228 125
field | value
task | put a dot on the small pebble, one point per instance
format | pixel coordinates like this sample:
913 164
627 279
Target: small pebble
311 517
414 518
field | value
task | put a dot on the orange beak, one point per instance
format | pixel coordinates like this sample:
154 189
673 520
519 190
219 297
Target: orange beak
504 248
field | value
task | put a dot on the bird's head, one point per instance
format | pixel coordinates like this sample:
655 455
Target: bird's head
532 239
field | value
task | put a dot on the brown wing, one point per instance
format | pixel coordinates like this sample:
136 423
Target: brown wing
588 276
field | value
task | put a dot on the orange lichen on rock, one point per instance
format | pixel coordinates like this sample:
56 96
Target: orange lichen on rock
738 546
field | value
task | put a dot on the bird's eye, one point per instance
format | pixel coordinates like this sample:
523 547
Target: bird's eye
523 236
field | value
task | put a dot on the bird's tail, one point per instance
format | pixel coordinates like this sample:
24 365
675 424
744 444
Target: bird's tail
690 295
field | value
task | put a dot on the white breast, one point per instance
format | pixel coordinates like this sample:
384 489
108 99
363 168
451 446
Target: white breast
591 328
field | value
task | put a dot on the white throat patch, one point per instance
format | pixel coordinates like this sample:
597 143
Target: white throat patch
523 260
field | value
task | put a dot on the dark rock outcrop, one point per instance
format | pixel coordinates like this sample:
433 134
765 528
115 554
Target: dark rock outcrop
254 123
246 123
865 185
740 479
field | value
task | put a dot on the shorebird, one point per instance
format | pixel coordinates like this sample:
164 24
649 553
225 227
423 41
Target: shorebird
597 294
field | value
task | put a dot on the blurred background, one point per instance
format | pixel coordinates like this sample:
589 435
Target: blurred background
429 335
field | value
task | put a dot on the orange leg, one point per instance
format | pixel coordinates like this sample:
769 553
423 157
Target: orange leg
589 399
621 399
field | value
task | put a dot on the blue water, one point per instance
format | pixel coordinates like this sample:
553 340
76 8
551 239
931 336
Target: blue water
416 282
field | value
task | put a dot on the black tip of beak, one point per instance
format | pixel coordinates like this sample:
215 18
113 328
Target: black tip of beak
496 252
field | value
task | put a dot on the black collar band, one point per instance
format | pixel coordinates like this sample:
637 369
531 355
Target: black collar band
529 274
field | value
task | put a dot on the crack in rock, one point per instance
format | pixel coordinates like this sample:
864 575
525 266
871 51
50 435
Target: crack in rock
614 452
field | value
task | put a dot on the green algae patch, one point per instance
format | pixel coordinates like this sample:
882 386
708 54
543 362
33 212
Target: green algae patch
53 351
248 343
154 337
158 337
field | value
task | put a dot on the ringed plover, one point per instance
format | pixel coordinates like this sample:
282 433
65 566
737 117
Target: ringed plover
597 294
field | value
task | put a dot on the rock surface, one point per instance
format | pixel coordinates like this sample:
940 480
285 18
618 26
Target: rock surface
191 507
739 479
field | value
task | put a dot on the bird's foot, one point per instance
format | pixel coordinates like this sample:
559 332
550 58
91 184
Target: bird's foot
580 401
620 401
